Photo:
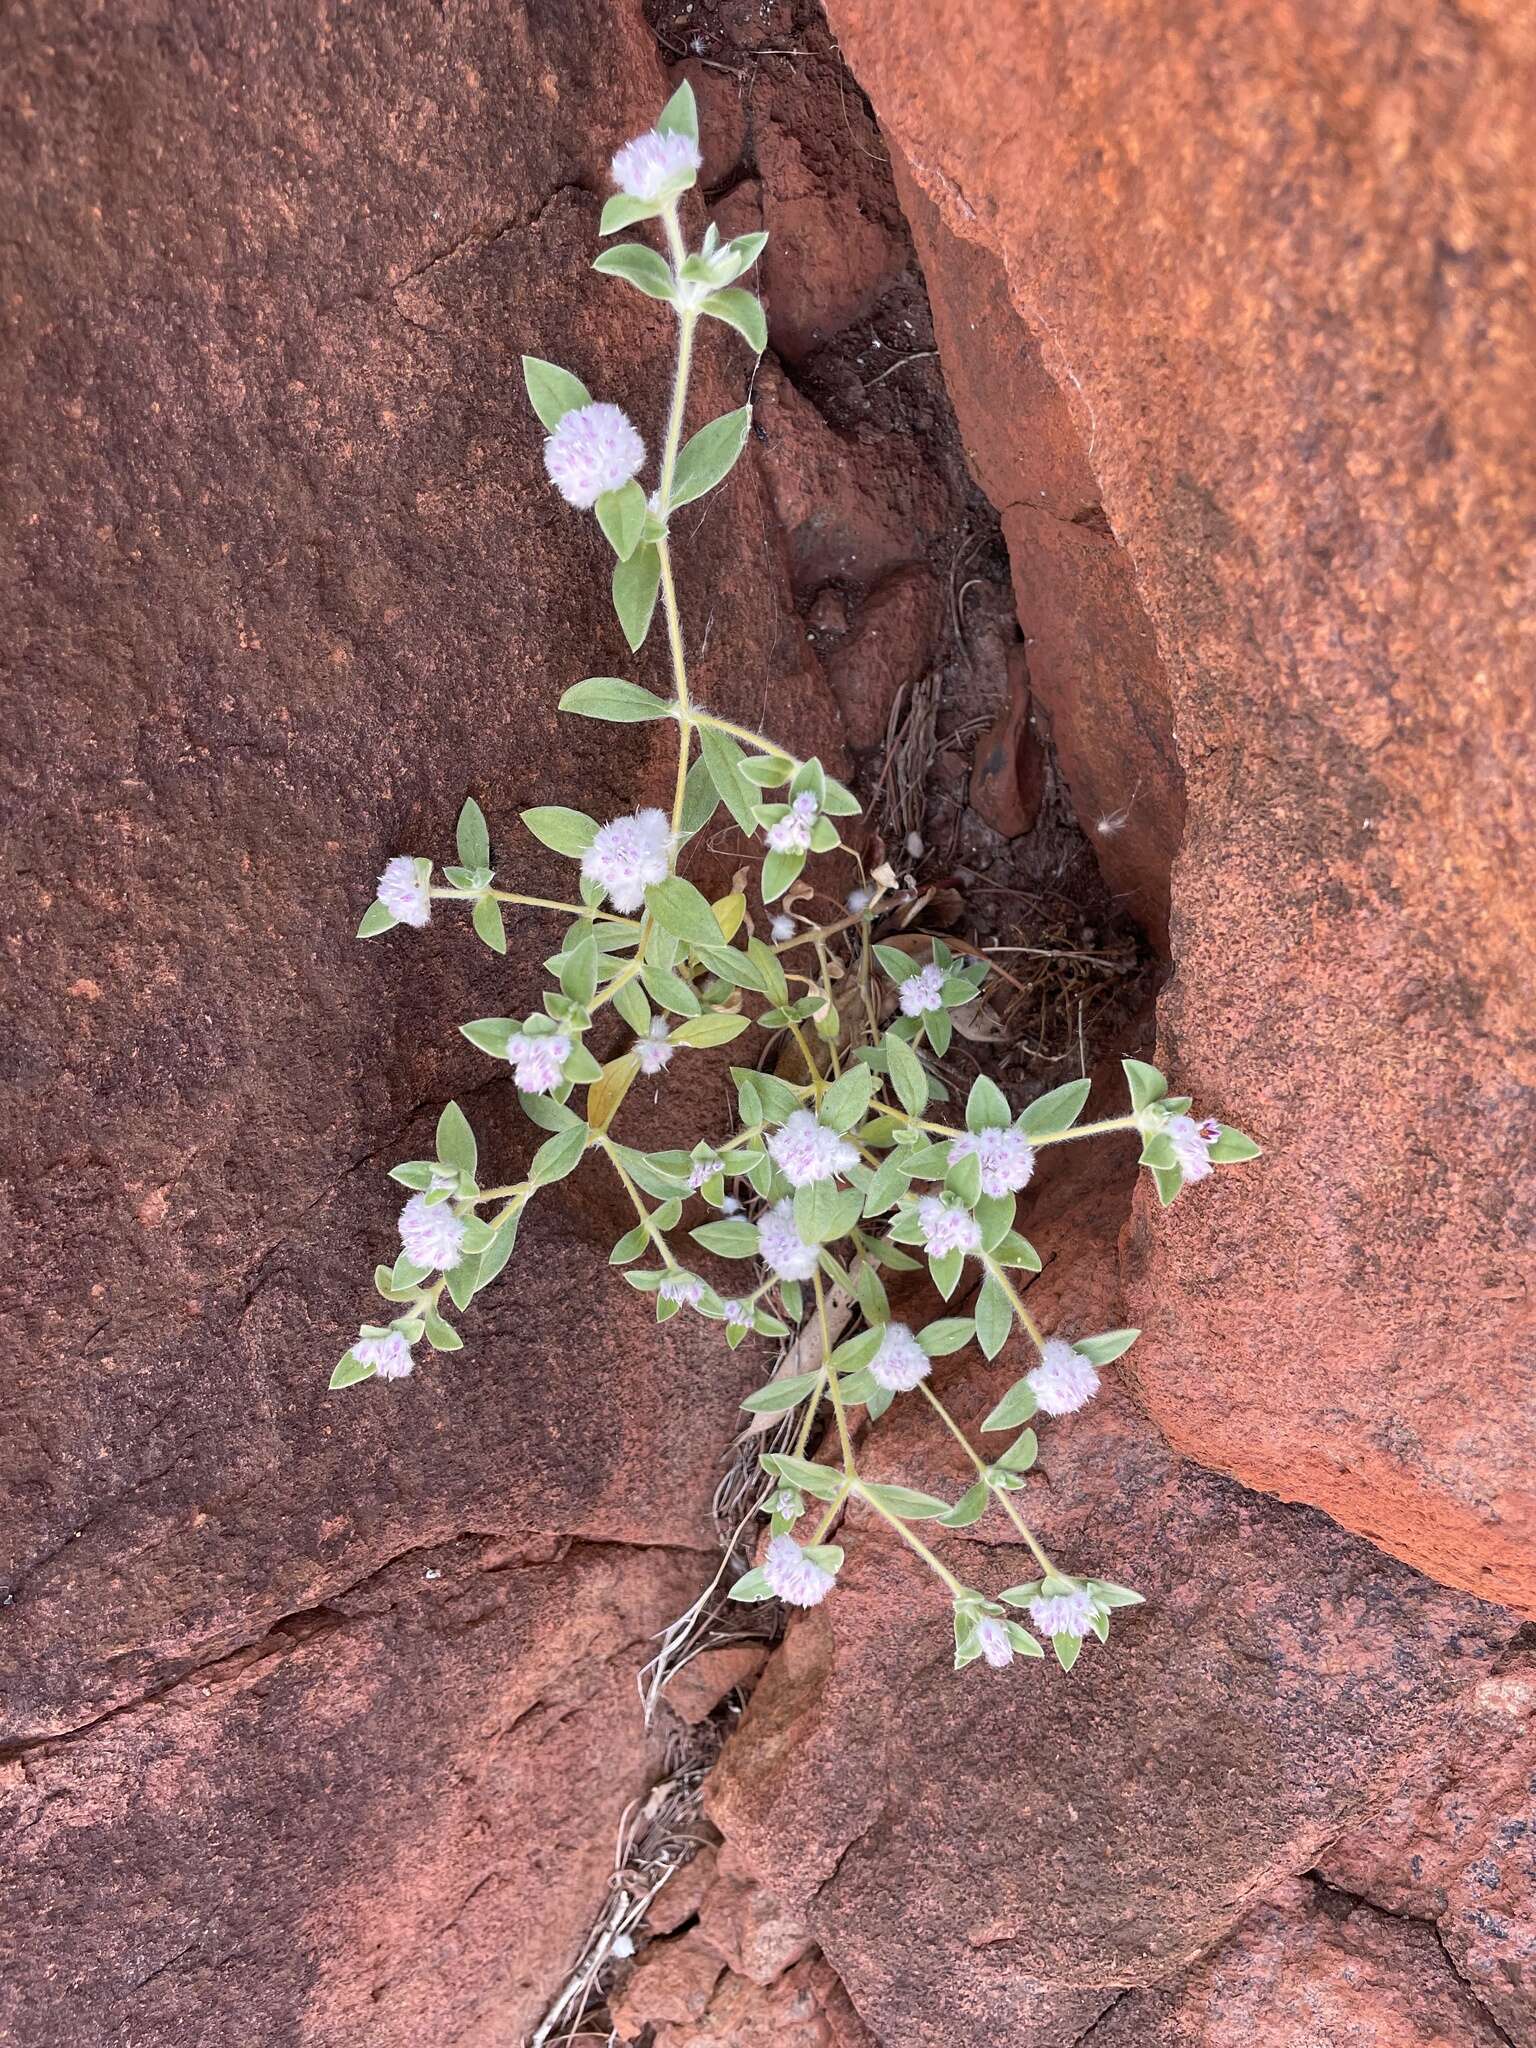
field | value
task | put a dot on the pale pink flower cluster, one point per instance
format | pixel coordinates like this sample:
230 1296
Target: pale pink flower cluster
796 1578
389 1356
1007 1158
703 1170
682 1287
736 1314
432 1235
945 1229
781 1244
992 1637
922 991
655 163
594 449
900 1362
792 832
1192 1144
806 1151
1064 1379
403 892
1062 1614
538 1060
654 1051
628 855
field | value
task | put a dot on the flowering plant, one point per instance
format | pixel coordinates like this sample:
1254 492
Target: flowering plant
830 1181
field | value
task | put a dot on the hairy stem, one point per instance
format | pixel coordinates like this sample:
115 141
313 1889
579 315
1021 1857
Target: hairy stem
998 1495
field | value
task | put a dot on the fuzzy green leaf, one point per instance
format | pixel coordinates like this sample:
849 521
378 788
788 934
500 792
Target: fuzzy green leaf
552 391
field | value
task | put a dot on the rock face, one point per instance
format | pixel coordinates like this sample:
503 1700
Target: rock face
1274 275
997 1855
291 584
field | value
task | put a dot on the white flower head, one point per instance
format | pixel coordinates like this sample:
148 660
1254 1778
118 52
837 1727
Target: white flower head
389 1356
1006 1156
628 855
922 991
682 1287
787 1504
1192 1144
654 165
900 1362
789 834
806 1151
782 929
730 1205
538 1061
737 1314
859 901
594 449
403 892
945 1229
781 1244
703 1170
432 1235
795 1577
992 1639
654 1051
1064 1379
1062 1614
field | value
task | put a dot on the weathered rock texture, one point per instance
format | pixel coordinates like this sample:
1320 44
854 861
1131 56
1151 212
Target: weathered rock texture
1276 263
291 582
999 1855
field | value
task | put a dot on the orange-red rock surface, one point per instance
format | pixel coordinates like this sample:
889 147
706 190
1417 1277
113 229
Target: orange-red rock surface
1276 262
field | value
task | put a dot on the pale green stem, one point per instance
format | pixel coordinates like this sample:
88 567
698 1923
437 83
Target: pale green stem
1108 1123
913 1542
644 1214
845 1442
981 1472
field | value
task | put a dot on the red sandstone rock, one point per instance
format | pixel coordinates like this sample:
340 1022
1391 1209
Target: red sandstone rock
805 2008
748 1925
1009 773
671 1982
1274 274
892 647
703 1682
1306 1969
995 1855
1456 1844
389 1822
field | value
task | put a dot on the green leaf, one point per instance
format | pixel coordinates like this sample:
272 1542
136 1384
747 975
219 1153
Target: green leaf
622 211
441 1335
1021 1453
751 1586
635 584
1146 1083
1068 1649
1103 1350
349 1372
631 1005
846 1100
905 1502
489 925
709 456
565 831
552 391
994 1317
898 965
949 1333
969 1508
945 1271
767 771
640 266
621 515
558 1155
907 1075
700 800
779 870
766 961
825 1212
986 1107
780 1394
612 699
731 1237
456 1141
491 1034
670 991
497 1252
741 310
680 116
1169 1180
1233 1146
473 836
1057 1111
813 1479
724 758
378 917
678 907
715 1027
1016 1406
